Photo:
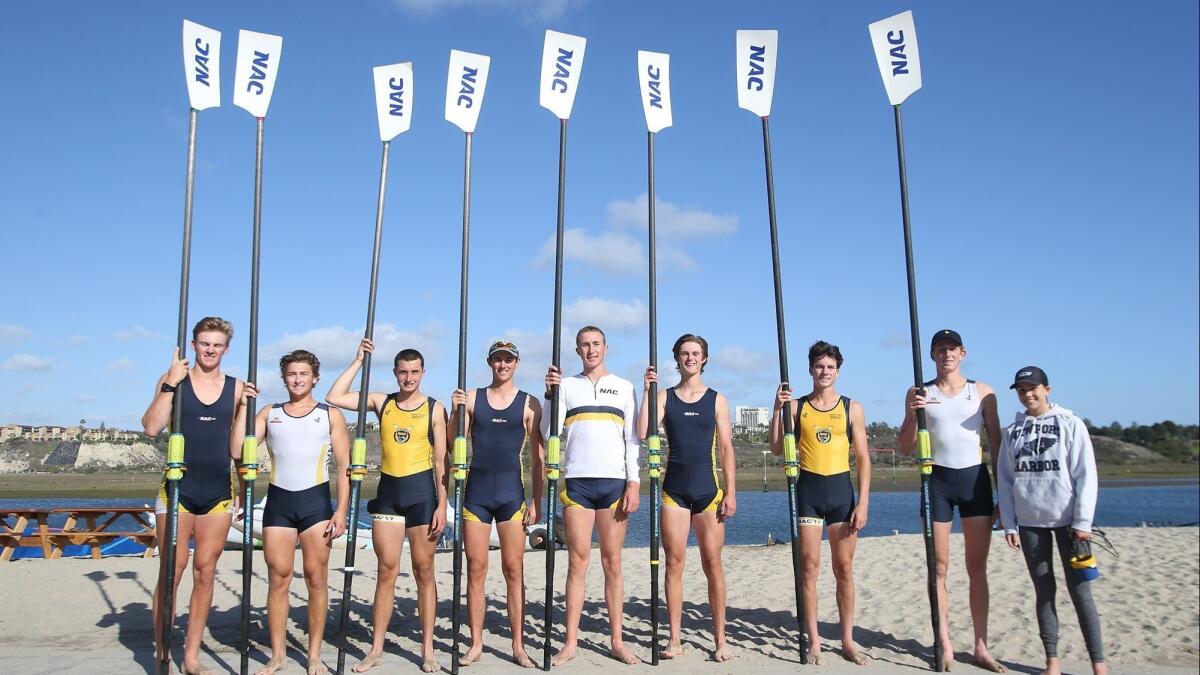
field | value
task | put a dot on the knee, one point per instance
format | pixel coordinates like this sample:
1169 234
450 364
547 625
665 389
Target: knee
675 563
977 570
423 572
389 570
712 567
941 567
280 580
611 565
843 572
812 567
205 573
477 569
316 578
513 572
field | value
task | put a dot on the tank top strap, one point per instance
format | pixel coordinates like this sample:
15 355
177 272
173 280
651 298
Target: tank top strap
846 410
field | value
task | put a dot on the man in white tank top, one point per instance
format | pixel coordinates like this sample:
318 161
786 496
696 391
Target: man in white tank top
301 435
955 410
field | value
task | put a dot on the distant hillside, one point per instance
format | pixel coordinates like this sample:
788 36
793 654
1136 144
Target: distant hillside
1112 451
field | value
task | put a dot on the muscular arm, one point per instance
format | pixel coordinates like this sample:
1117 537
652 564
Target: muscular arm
537 448
907 438
340 395
862 458
991 422
725 445
777 426
238 433
441 458
158 415
339 437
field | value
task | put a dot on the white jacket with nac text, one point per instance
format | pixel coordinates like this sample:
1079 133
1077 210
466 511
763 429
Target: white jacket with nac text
597 422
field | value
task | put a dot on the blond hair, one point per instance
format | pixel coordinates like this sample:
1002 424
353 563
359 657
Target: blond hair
213 323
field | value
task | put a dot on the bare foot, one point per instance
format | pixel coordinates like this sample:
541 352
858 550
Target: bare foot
276 664
317 668
373 659
814 657
721 654
947 658
429 664
471 656
622 654
564 655
850 653
986 662
522 659
673 650
196 669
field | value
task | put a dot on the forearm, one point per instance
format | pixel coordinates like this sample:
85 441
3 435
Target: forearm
339 393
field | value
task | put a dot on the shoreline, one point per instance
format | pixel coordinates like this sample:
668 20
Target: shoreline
144 485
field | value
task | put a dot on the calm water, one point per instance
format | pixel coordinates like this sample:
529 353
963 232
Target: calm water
760 513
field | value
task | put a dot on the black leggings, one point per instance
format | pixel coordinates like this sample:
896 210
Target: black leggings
1038 547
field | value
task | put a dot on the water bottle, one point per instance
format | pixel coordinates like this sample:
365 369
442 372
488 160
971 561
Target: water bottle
1083 563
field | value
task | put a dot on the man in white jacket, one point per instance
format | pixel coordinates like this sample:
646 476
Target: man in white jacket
598 416
1046 483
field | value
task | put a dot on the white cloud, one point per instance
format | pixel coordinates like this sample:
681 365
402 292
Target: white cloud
13 334
336 346
610 315
614 253
28 363
894 340
121 365
76 340
740 360
671 221
541 11
134 333
85 398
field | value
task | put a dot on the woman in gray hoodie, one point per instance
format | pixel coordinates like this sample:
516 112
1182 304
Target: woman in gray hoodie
1046 484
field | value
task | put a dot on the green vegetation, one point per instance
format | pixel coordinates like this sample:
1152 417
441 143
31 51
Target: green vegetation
1175 442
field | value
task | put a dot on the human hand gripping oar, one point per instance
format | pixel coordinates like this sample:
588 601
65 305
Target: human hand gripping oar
562 63
895 44
465 82
654 78
393 108
756 56
253 84
201 68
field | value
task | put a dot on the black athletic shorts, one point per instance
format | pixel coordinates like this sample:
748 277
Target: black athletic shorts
412 498
824 499
969 489
593 493
300 509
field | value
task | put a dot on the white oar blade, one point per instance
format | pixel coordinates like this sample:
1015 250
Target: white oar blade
654 75
257 65
393 98
202 65
895 43
465 82
756 52
562 62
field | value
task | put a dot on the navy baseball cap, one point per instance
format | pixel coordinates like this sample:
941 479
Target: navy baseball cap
945 335
501 346
1030 375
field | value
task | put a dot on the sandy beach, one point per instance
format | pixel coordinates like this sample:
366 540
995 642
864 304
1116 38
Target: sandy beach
88 616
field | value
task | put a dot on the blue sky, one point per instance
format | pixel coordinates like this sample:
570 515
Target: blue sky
1052 158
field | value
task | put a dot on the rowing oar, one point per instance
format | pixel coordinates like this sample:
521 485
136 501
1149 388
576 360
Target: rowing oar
562 63
465 82
756 54
253 83
202 68
653 75
393 107
895 42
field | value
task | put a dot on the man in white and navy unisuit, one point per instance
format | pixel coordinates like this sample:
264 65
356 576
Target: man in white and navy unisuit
597 414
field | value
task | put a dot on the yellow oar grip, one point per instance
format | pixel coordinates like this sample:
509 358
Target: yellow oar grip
175 457
924 452
553 455
460 458
249 468
358 459
654 456
790 462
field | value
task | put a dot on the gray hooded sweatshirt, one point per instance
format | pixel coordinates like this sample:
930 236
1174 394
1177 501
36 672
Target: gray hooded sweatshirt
1046 475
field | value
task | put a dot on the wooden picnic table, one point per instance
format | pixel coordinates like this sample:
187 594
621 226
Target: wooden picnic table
94 531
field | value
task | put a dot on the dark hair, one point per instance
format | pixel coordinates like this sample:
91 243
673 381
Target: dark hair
688 337
821 349
407 355
590 329
300 356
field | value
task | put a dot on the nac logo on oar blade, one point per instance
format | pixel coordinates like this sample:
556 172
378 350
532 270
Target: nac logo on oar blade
654 86
258 73
396 97
899 60
562 71
758 58
467 88
201 62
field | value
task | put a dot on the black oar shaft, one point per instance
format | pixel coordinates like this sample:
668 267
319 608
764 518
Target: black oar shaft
785 415
552 440
249 467
358 452
175 465
460 437
653 441
924 454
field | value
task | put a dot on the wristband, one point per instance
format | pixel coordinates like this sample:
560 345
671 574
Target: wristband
167 388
